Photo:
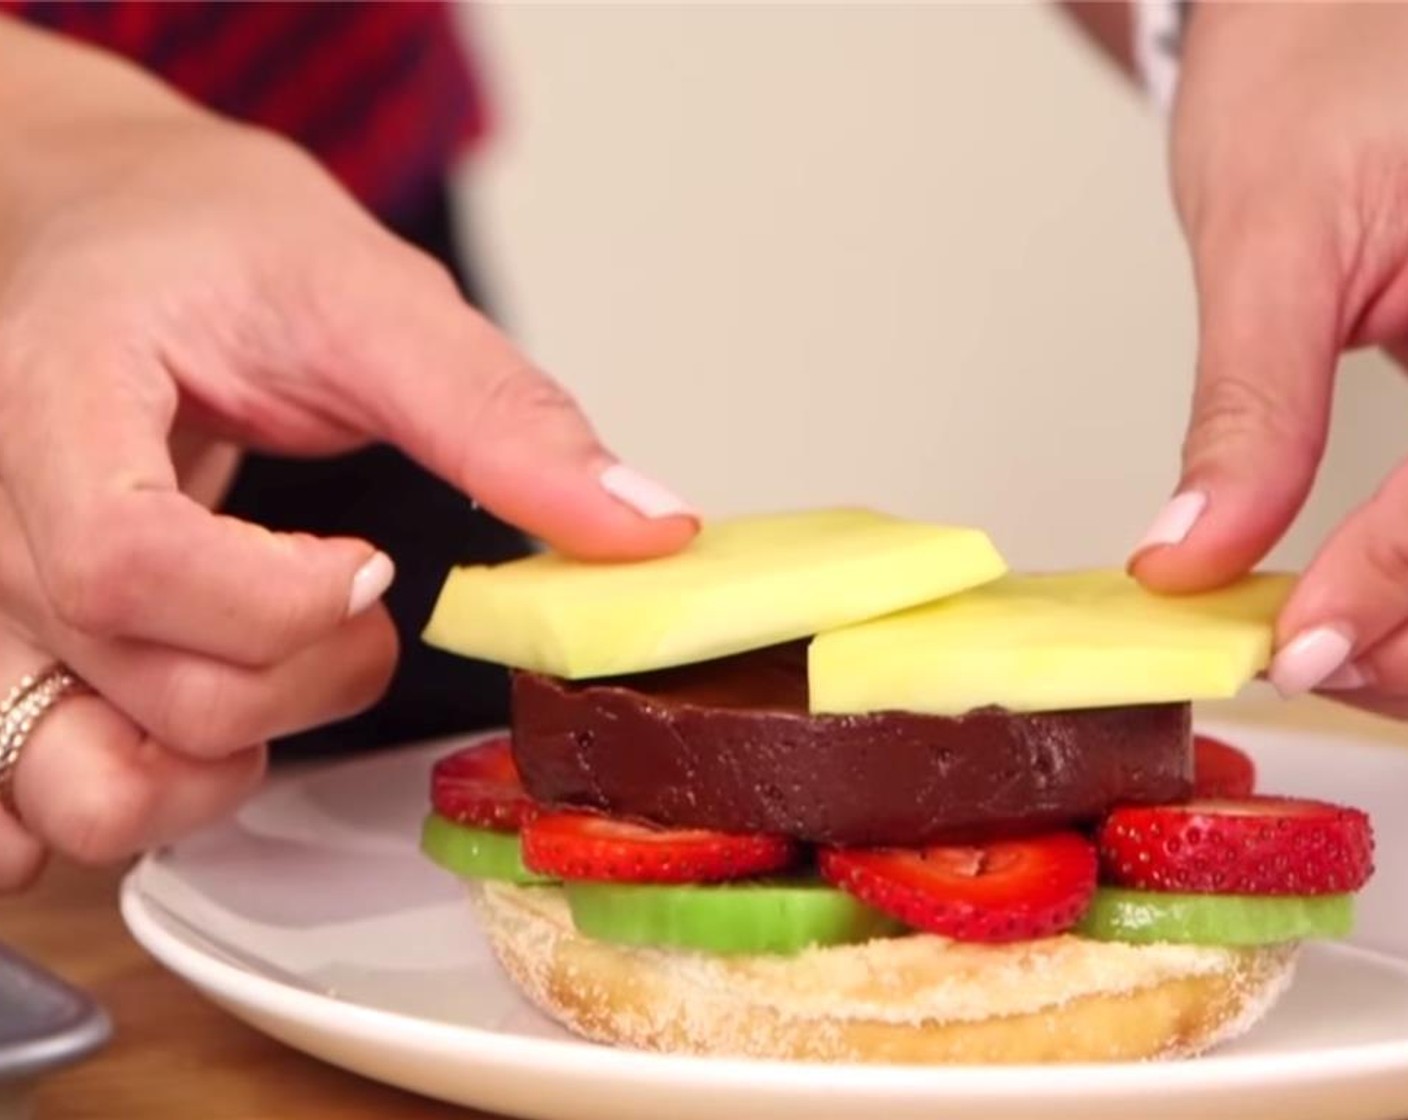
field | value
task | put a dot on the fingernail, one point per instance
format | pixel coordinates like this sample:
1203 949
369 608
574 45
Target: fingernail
1309 659
370 583
1175 521
644 495
1346 678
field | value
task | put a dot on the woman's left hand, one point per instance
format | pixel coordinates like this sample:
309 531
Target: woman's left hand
1290 172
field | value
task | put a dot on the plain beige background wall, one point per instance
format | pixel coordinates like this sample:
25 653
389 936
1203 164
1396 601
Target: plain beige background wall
918 257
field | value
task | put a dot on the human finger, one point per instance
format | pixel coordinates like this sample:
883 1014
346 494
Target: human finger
122 552
1268 345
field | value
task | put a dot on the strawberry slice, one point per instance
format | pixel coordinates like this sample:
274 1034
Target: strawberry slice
480 786
1221 770
1256 846
1012 890
589 847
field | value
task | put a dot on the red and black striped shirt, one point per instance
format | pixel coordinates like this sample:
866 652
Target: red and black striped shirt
382 93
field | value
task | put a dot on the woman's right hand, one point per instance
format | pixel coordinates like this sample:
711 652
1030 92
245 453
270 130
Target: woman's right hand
94 784
162 269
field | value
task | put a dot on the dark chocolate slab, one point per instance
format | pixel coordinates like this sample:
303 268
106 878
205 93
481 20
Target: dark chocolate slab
729 745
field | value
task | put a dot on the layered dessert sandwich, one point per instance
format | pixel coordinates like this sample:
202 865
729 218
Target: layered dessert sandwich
839 786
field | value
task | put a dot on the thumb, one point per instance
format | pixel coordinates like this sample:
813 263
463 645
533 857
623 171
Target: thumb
1267 348
1353 595
436 378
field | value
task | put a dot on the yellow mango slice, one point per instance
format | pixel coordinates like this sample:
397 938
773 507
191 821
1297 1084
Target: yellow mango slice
1047 642
742 584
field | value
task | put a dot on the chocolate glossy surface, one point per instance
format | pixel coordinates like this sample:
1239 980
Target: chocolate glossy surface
729 745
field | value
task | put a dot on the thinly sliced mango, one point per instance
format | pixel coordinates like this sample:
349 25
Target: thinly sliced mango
1048 642
742 584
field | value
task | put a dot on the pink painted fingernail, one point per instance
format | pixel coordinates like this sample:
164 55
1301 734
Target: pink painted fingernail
1310 659
1175 521
1346 678
644 495
370 583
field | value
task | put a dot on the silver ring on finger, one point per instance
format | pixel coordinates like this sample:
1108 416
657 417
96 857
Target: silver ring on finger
24 706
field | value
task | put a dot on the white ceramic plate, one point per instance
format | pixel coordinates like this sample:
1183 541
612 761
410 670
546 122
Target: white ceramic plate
313 917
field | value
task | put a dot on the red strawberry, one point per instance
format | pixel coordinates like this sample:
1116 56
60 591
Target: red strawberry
1012 890
587 846
479 785
1220 769
1258 845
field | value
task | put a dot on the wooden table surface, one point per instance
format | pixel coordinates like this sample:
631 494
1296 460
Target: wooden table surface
174 1055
